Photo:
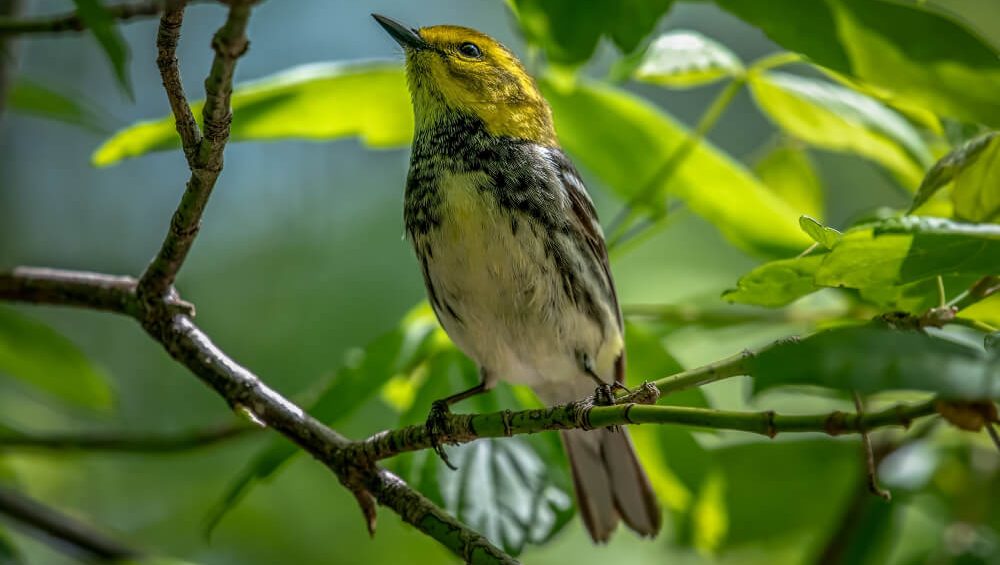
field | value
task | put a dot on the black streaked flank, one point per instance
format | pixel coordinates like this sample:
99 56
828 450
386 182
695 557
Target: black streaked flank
461 144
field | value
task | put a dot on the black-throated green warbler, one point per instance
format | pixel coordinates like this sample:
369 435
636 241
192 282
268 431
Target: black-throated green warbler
512 254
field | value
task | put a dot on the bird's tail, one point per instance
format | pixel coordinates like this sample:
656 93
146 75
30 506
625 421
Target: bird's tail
610 483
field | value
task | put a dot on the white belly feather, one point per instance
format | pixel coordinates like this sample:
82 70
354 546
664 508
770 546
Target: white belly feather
513 316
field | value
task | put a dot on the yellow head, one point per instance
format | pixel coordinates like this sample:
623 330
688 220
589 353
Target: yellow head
456 69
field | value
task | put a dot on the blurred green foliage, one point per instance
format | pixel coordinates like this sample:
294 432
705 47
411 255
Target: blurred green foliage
309 285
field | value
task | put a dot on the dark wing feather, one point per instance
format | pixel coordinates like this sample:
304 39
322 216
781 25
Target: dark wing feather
584 221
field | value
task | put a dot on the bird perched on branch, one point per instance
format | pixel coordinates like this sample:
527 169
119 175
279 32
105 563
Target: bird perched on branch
512 253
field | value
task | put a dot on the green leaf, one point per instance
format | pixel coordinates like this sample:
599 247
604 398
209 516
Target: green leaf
789 172
684 59
914 298
318 101
42 358
102 25
871 359
840 119
976 190
624 140
9 554
823 235
887 45
359 379
570 34
777 283
803 484
910 250
986 310
502 489
949 166
31 98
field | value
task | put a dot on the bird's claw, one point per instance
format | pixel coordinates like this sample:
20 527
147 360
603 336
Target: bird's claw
615 386
436 427
603 396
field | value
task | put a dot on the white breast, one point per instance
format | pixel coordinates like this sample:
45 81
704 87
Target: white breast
502 302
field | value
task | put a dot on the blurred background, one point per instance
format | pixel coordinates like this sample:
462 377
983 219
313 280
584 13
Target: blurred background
301 258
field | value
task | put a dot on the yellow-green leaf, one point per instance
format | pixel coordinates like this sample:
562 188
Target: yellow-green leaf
684 59
925 56
777 283
839 119
368 100
976 190
947 167
823 235
909 250
624 141
789 172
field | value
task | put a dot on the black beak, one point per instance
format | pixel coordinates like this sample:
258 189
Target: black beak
408 38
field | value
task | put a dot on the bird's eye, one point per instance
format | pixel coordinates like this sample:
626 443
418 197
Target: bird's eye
470 50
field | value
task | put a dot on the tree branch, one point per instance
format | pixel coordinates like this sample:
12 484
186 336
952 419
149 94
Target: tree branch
71 21
167 36
37 285
243 390
123 442
59 526
205 160
463 428
733 366
164 316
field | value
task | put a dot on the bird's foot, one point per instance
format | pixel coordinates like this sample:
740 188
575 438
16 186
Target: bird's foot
436 425
617 386
603 395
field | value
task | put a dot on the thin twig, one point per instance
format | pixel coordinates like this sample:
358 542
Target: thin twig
54 524
851 529
123 442
167 36
72 22
229 43
464 428
866 442
732 366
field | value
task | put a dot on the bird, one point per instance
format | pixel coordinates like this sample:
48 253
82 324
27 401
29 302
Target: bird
512 254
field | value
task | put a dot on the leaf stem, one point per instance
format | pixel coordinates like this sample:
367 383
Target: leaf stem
980 290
